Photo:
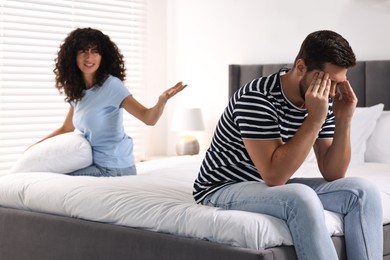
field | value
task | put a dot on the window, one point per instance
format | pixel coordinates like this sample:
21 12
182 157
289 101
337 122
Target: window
31 32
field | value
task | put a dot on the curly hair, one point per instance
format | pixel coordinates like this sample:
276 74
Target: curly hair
325 46
68 76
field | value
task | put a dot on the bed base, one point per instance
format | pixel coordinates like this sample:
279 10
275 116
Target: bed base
39 236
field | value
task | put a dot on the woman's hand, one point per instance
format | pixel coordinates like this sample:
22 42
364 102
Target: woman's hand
150 116
167 94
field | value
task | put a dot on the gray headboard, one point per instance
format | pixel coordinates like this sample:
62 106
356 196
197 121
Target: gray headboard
369 79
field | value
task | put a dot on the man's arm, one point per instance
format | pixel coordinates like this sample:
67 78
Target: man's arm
333 156
277 162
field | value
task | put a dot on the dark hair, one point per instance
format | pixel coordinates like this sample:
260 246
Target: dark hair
69 78
325 46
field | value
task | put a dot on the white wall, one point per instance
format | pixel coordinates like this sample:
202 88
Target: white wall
157 73
204 36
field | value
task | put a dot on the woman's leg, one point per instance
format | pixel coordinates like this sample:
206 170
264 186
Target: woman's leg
360 203
91 170
98 171
297 204
120 171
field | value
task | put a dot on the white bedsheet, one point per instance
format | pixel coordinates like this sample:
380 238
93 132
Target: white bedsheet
160 199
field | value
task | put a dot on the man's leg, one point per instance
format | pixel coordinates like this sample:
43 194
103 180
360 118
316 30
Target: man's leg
297 204
360 202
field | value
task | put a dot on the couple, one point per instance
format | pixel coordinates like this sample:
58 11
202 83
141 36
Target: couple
262 138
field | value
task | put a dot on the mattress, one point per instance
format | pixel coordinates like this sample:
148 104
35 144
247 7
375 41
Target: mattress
160 199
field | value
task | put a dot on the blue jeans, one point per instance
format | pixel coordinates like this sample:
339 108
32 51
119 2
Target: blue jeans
301 204
98 171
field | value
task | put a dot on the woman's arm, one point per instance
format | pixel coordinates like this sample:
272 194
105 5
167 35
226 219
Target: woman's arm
66 127
150 116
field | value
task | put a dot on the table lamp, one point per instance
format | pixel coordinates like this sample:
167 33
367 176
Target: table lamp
184 121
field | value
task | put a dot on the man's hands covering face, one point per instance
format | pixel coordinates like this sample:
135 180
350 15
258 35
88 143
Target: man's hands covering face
317 97
344 102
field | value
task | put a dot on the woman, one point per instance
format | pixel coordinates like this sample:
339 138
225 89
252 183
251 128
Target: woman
90 71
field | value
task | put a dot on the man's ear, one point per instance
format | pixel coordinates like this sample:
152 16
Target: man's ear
301 67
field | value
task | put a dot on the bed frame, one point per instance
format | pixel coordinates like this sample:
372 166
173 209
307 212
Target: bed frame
39 236
369 79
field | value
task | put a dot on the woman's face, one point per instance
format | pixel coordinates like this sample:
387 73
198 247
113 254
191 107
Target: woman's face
88 61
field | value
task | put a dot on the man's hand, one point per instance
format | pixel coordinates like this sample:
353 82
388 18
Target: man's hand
317 97
344 102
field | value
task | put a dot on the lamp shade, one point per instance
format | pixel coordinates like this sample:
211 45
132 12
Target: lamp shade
187 119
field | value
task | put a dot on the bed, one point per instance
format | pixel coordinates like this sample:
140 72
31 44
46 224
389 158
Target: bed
47 215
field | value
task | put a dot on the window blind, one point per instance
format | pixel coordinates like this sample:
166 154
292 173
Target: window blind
31 32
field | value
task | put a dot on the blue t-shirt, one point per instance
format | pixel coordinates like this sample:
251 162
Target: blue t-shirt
99 117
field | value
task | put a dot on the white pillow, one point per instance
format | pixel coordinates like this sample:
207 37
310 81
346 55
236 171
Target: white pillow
60 154
364 122
378 146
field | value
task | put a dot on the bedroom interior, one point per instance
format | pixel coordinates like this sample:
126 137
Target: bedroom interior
211 55
45 214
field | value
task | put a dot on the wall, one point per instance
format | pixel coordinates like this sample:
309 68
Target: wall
204 36
157 73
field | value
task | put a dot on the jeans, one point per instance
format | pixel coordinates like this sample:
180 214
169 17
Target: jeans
98 171
301 203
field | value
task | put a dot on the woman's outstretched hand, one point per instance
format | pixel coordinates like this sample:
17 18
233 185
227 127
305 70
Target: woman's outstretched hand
167 94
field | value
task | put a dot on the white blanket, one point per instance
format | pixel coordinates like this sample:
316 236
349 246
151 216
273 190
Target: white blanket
160 199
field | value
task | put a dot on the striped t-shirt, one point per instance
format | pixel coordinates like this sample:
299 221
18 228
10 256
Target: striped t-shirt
258 110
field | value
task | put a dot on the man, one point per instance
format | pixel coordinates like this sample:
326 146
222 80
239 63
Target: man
264 136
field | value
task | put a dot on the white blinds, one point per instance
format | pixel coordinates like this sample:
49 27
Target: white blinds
31 32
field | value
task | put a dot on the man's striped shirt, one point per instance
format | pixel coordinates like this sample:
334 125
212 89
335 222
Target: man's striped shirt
259 110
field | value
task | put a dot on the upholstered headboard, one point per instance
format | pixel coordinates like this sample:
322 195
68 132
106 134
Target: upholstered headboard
369 79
